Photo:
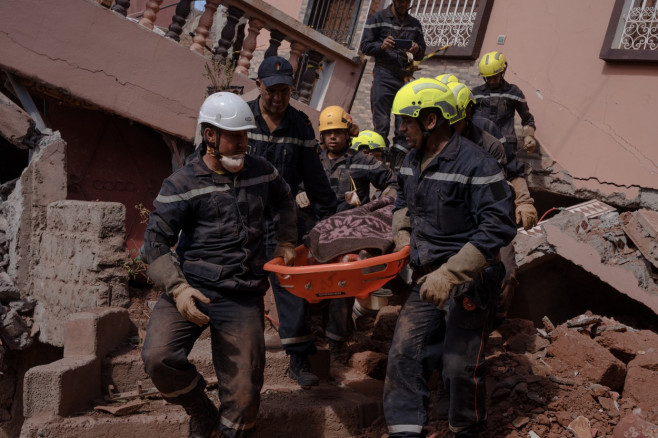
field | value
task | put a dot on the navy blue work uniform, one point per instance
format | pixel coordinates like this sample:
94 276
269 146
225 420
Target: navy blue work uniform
460 197
363 170
217 223
500 106
293 149
389 72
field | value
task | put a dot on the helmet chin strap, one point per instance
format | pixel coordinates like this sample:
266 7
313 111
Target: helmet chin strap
428 132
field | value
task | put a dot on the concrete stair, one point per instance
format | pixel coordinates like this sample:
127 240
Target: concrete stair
343 405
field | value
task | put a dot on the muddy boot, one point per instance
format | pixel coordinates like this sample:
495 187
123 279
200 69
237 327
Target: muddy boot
478 430
204 417
442 406
338 352
300 370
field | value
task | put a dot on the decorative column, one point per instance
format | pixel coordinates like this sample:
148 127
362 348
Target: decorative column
150 13
310 75
296 50
275 41
228 31
205 23
121 7
178 21
244 62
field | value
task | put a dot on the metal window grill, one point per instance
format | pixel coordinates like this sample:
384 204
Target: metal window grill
446 22
638 28
334 18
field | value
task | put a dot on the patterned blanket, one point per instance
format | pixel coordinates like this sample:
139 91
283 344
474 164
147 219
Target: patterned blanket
363 228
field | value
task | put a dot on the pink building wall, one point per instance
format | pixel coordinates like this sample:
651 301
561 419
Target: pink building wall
596 119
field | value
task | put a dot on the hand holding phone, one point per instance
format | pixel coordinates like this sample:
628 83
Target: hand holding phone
402 44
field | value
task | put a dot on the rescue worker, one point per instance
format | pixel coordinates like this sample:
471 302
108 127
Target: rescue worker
369 142
350 175
284 136
452 209
498 100
211 210
390 72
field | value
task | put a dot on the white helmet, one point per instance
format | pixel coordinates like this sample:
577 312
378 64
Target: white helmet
226 111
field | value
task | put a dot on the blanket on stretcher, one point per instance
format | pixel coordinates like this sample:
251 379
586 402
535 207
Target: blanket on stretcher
363 228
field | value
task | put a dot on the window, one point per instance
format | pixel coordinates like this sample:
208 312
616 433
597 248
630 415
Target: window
632 34
457 23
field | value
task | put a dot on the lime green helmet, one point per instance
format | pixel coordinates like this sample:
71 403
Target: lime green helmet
371 139
447 78
463 96
424 93
492 63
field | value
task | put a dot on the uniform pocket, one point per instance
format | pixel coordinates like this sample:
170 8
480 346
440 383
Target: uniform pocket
202 272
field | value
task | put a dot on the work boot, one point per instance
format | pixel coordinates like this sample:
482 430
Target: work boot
474 431
338 351
300 370
204 417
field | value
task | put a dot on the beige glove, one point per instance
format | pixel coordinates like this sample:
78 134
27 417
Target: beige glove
529 141
352 198
401 229
286 251
302 200
459 269
525 212
184 296
166 273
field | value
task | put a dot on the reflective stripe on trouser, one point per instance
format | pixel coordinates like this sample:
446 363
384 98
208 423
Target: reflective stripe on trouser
426 338
385 86
296 336
238 350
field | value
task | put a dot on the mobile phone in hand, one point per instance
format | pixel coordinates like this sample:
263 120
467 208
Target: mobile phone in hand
402 44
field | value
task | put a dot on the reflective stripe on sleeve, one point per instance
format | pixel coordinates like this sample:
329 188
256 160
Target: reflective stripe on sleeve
167 199
311 143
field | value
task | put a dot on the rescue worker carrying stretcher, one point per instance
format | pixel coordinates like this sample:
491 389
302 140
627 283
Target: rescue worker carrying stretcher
350 175
453 209
212 211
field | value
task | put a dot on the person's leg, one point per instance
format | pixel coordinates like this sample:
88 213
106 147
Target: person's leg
296 336
339 327
381 101
469 322
238 348
419 331
169 340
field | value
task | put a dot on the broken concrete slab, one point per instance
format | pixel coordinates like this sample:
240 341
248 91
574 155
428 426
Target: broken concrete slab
642 228
16 125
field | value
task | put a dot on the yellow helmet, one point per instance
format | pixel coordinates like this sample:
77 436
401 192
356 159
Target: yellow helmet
371 139
334 117
492 63
446 78
424 93
463 97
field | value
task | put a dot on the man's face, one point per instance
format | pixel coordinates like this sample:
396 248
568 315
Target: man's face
335 140
401 6
411 130
274 99
231 143
494 81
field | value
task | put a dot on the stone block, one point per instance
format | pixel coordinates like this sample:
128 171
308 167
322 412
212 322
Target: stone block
96 331
61 387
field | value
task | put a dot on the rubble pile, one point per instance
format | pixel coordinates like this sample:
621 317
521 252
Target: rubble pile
588 377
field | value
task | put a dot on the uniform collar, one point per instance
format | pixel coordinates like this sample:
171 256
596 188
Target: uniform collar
449 152
201 169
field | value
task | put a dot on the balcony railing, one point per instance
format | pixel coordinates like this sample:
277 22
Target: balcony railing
329 77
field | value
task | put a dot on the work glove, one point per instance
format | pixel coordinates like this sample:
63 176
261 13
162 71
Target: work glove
352 198
286 251
525 211
184 296
529 141
401 229
461 268
302 200
166 273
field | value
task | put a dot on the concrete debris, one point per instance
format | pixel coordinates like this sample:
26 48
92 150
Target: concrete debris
642 228
580 427
121 409
14 332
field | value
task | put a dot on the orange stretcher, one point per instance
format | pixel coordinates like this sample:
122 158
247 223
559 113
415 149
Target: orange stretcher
316 282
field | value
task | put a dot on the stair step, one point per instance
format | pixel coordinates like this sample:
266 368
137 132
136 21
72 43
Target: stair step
124 369
330 410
